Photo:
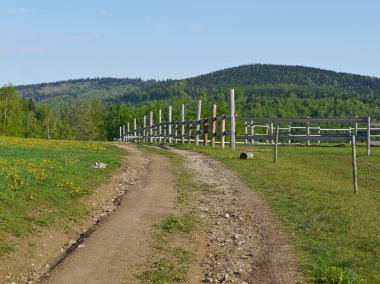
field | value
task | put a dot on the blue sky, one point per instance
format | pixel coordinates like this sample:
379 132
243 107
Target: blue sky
45 40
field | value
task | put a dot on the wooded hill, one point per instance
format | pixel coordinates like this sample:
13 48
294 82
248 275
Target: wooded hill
256 80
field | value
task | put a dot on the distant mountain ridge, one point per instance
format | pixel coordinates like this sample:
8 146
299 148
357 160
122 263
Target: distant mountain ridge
287 74
258 79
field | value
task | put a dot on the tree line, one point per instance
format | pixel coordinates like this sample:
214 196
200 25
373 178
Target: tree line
23 118
96 120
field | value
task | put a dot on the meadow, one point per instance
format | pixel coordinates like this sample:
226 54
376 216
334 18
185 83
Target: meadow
42 182
336 232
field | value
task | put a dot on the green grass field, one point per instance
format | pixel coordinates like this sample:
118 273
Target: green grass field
41 182
336 232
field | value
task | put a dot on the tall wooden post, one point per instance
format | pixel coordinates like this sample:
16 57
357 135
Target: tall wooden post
350 132
165 136
134 130
267 133
123 139
144 130
128 131
356 126
252 132
245 132
170 125
223 130
198 122
190 129
176 132
160 125
205 131
182 124
271 133
213 127
368 136
308 133
120 132
276 145
151 127
319 134
232 114
354 169
289 133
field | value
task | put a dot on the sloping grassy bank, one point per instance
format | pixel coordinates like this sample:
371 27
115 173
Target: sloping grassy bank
336 232
41 183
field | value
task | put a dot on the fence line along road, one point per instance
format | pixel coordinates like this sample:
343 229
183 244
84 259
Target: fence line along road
213 130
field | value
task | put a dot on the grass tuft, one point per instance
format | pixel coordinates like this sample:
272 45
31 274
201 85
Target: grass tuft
162 271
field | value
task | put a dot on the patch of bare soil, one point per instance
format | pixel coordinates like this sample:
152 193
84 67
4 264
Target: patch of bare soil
243 242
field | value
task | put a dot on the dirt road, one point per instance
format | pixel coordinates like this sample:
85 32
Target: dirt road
118 248
239 240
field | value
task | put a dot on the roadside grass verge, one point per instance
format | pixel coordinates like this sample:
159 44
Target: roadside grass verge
335 231
41 182
173 235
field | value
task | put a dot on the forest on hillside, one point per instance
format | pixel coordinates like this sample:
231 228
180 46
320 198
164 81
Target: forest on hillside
93 109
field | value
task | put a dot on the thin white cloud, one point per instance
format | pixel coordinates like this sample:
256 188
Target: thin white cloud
13 11
21 50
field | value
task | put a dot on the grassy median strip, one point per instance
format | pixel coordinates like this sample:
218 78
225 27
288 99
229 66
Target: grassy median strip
336 232
173 234
41 182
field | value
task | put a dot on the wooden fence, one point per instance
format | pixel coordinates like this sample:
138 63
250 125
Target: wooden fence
222 130
257 130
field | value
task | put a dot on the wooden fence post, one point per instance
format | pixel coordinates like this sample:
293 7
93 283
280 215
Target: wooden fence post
245 132
151 127
271 133
120 133
213 126
267 133
127 133
159 125
175 124
182 124
190 129
170 125
368 136
223 130
205 131
165 131
276 145
356 126
123 132
198 121
308 133
134 130
252 132
319 134
232 114
354 169
144 130
289 133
